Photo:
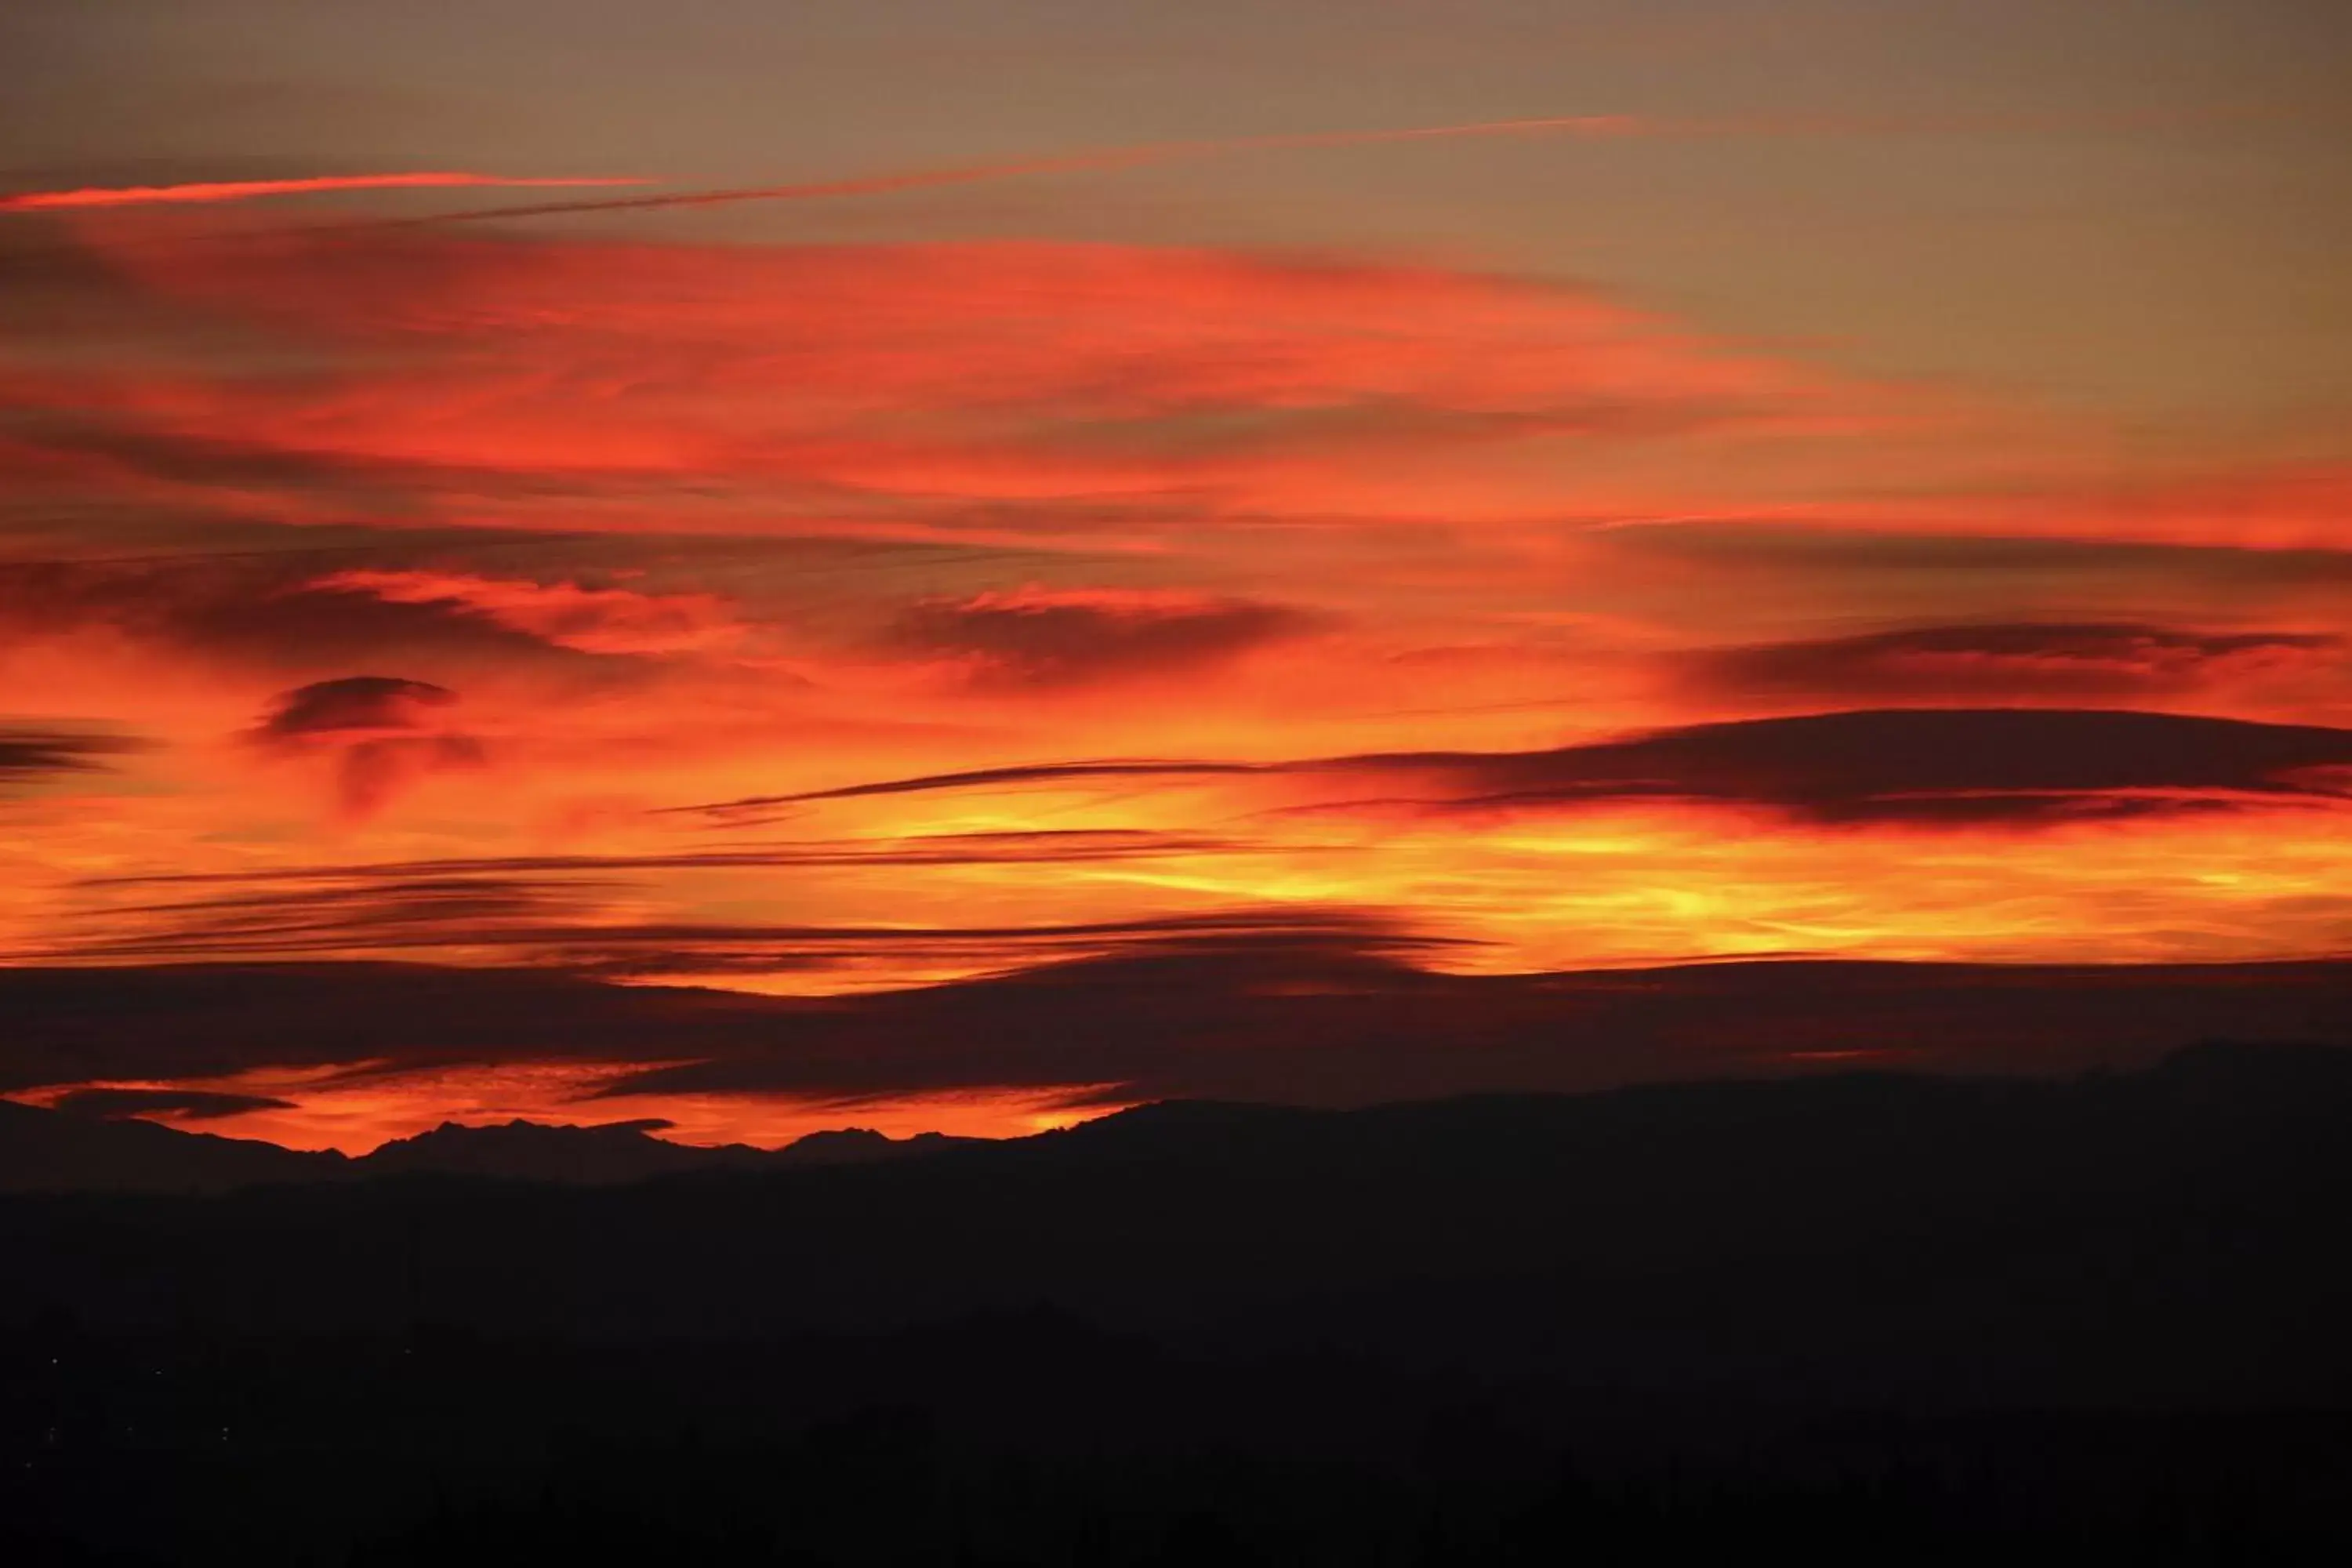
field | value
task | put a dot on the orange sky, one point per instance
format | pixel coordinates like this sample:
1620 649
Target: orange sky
992 582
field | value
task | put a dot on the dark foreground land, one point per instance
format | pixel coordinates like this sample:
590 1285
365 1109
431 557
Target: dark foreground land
1868 1319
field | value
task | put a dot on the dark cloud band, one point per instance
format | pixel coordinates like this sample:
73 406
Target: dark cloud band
1311 1016
193 1105
29 754
1925 766
2029 661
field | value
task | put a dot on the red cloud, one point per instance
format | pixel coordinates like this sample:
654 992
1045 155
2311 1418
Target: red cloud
647 385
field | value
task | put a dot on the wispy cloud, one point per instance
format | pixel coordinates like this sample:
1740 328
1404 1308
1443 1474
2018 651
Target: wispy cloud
1048 847
2028 661
1926 765
209 191
1016 777
1583 126
1593 126
660 388
579 926
1039 636
27 754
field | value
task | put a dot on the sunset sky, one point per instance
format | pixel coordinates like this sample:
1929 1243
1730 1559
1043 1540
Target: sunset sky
832 498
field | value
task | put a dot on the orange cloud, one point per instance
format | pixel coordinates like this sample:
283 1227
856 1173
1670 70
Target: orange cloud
1068 602
592 620
1036 636
644 387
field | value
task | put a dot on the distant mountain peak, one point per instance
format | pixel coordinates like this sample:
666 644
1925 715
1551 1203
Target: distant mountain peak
610 1152
594 1155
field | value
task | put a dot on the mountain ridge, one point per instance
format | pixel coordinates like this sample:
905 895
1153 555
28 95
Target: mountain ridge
2170 1234
46 1151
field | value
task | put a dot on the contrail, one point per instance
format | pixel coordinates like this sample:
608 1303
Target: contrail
248 190
1592 126
1583 125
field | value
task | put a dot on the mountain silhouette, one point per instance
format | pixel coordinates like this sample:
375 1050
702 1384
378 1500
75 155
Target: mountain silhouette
50 1151
618 1151
56 1151
1873 1229
529 1151
859 1146
1870 1316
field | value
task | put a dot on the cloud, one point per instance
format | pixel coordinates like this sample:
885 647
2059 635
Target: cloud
184 1021
582 925
30 754
1323 467
2048 661
79 1026
1602 126
2285 509
1916 766
1042 637
1593 127
628 387
1329 1025
471 913
1920 766
250 190
601 620
1069 846
277 611
1016 777
384 734
355 703
191 1105
1303 1017
77 449
1829 547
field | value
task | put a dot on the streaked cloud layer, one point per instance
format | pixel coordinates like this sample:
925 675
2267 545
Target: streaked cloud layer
892 606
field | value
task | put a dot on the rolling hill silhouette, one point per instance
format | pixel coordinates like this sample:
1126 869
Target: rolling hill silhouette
50 1151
